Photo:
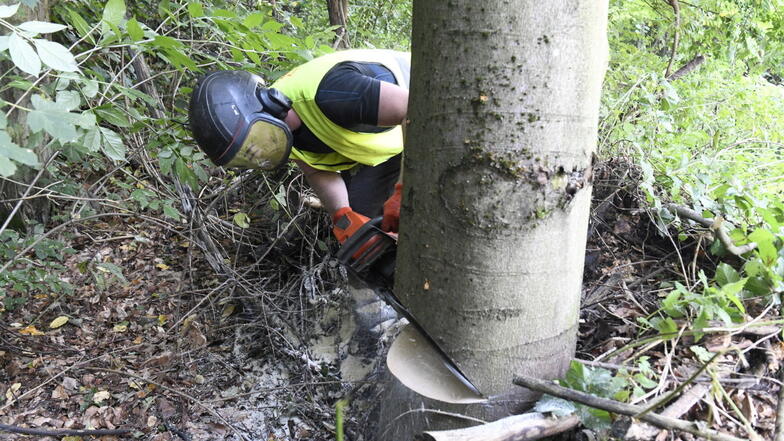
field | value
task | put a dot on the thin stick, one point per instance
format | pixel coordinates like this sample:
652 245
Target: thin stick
61 432
621 408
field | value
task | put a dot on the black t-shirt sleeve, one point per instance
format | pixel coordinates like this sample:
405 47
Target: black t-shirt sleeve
348 95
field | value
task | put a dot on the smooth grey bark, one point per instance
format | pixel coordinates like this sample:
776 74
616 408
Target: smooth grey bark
503 121
38 208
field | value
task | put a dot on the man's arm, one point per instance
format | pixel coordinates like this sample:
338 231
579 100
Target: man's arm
329 186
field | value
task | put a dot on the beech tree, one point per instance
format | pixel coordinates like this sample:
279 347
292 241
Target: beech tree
503 117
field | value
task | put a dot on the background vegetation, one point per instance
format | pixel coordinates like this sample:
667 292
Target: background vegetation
93 100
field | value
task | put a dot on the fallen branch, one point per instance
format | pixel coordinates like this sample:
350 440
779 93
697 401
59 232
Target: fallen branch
715 225
698 429
645 431
62 432
528 426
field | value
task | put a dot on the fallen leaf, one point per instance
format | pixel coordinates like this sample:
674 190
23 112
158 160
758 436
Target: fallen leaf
101 396
59 321
59 393
163 266
72 438
11 393
30 330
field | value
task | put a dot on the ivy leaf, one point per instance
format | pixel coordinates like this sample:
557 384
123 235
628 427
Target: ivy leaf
41 27
56 55
23 55
8 11
114 12
112 144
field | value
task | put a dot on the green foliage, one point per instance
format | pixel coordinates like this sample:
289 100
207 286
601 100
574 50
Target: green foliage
711 139
45 277
601 383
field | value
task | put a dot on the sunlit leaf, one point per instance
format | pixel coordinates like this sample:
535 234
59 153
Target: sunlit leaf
9 10
41 27
58 322
114 12
112 144
135 31
23 55
56 55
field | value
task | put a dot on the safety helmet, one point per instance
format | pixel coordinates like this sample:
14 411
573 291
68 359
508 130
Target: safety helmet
239 123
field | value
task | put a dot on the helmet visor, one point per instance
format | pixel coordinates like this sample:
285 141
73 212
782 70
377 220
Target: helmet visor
266 146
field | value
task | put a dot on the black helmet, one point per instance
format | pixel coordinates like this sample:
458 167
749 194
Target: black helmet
239 123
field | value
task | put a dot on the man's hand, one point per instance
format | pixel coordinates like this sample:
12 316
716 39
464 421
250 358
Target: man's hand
391 220
346 222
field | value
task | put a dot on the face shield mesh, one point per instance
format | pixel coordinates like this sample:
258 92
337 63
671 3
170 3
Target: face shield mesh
266 146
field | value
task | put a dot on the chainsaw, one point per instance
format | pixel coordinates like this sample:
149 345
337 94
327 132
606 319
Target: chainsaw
370 255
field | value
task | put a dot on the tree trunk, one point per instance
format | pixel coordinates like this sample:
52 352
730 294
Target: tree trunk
37 208
503 122
338 16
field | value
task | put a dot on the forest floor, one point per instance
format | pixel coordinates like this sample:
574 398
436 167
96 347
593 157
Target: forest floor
250 334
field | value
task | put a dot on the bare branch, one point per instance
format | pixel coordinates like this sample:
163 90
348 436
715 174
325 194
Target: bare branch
716 226
677 38
553 389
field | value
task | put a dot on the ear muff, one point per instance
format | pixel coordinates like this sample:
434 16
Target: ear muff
274 101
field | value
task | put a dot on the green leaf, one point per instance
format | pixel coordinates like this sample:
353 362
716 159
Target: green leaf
195 9
112 144
765 244
82 28
54 117
56 55
135 31
112 269
664 325
92 139
23 55
4 42
242 220
557 406
41 27
12 151
7 168
726 274
112 115
114 12
170 211
8 11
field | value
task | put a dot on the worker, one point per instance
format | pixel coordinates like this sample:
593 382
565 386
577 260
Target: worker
339 117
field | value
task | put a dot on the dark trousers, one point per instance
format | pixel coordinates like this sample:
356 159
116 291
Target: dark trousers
369 187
